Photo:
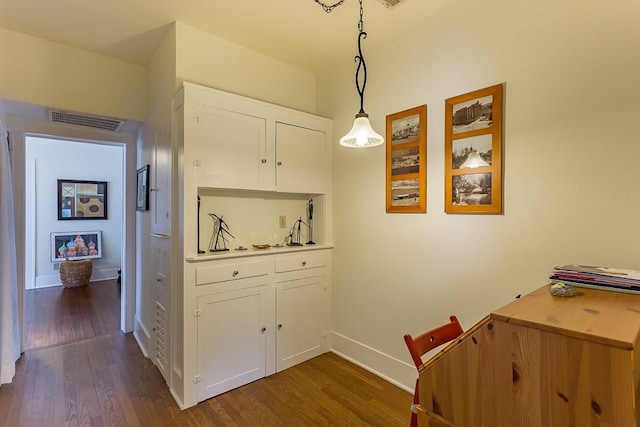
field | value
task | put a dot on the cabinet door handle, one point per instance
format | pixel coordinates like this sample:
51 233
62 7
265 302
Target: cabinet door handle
263 330
264 160
279 326
235 273
304 263
279 163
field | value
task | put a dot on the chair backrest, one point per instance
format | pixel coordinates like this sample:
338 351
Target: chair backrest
429 340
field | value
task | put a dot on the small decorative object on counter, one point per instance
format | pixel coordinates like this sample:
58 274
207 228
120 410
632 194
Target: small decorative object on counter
293 239
218 242
561 289
310 221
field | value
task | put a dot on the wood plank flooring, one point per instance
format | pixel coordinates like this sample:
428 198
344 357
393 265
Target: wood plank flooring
60 315
105 380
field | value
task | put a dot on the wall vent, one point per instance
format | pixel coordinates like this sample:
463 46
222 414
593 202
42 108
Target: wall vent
390 4
103 123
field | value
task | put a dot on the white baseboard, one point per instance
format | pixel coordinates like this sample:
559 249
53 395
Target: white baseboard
395 371
96 276
142 336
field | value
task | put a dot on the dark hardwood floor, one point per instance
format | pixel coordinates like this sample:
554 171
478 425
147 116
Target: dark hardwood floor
102 379
58 315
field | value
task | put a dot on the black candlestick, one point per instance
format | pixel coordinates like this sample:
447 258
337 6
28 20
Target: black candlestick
200 251
310 221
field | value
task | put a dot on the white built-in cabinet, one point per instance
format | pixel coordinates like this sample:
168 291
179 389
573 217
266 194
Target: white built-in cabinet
259 315
232 325
249 145
240 316
302 307
158 261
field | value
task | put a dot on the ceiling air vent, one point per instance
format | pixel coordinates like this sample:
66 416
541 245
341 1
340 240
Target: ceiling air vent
84 120
390 4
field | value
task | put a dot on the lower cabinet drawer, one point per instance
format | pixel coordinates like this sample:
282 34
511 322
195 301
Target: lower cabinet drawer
302 261
232 271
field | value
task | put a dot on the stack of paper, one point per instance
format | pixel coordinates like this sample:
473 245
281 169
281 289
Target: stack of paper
616 279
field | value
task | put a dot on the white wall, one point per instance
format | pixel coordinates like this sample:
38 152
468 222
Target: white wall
570 176
42 72
54 159
214 62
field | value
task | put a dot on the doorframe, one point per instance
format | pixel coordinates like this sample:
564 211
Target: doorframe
21 126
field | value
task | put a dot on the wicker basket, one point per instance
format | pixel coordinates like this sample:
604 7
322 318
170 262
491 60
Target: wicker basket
76 273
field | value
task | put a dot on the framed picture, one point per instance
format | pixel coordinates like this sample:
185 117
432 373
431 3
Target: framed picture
72 245
142 189
406 161
82 199
473 152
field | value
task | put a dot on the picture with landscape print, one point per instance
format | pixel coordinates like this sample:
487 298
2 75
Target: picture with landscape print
406 161
473 152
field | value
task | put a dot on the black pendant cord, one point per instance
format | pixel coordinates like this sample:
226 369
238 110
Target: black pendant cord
361 70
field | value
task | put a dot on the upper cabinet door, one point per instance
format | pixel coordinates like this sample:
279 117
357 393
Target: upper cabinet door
230 149
301 159
162 182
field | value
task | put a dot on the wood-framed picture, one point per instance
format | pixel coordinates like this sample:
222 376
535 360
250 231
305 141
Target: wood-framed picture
473 152
81 199
142 189
407 160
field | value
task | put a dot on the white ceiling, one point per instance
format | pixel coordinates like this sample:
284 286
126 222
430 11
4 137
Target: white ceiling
298 32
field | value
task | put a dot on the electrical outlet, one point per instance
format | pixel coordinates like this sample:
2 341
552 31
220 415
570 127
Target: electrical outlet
283 221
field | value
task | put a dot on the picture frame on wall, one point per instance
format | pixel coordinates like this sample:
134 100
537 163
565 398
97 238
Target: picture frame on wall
473 152
406 161
75 245
80 200
142 189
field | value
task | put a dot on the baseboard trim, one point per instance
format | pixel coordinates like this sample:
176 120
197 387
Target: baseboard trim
397 372
143 340
96 276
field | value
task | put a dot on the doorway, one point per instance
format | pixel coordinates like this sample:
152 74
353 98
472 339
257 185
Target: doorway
125 143
54 315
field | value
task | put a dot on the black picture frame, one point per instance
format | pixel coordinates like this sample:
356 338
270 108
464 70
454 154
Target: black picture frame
81 200
142 189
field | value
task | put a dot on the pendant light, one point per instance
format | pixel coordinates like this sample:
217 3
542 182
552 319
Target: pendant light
361 134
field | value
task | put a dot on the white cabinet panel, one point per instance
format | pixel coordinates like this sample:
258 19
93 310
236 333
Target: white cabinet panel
231 340
302 321
231 149
161 185
301 164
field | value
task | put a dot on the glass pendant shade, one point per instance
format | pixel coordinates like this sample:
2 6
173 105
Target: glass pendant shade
361 134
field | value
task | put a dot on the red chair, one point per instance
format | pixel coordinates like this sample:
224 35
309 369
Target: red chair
423 344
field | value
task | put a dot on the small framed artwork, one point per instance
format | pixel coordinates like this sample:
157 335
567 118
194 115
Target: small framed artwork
406 183
81 199
142 189
473 152
73 245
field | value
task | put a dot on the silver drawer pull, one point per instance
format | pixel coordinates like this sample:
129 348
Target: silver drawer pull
235 273
304 263
264 160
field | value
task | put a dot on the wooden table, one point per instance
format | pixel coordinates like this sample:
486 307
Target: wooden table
540 361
